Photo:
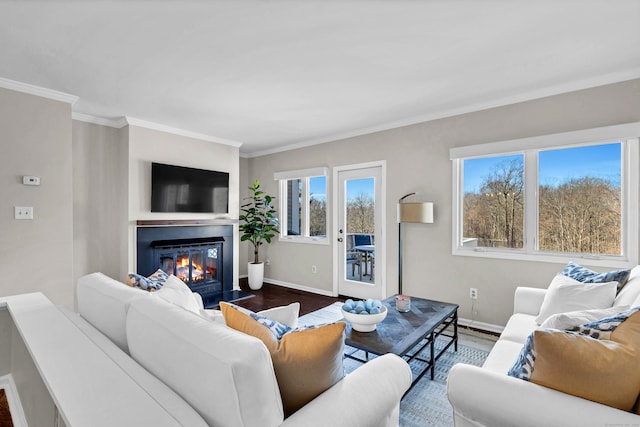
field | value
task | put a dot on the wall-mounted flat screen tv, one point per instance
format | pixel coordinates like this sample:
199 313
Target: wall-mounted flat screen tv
182 189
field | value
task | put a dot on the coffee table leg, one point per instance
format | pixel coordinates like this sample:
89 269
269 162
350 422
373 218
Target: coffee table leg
433 360
455 331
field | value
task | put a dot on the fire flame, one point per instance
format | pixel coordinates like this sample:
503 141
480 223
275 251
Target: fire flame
182 270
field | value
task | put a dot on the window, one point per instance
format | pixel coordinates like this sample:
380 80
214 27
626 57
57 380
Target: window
556 197
303 205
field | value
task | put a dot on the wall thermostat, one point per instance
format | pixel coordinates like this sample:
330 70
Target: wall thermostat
31 180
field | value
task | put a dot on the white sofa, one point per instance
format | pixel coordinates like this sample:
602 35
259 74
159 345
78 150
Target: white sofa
487 396
213 375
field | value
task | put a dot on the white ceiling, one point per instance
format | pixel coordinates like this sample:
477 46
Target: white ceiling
275 74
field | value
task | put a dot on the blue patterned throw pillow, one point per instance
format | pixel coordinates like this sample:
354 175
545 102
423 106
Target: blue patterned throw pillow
584 275
151 283
278 329
601 329
523 366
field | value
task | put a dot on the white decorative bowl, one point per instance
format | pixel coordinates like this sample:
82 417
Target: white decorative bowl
365 322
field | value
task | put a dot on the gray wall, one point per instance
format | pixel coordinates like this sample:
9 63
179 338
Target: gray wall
5 337
245 248
100 189
36 255
417 159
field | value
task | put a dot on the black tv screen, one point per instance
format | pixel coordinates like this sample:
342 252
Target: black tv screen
182 189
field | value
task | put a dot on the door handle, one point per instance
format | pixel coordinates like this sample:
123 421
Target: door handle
340 239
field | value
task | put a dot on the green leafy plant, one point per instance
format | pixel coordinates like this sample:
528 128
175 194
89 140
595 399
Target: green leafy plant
258 221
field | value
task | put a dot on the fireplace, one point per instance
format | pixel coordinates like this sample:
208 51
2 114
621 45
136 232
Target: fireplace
201 256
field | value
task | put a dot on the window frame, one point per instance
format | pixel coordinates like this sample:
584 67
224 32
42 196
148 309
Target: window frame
305 176
627 134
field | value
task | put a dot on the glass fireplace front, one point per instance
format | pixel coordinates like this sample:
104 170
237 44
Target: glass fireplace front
197 262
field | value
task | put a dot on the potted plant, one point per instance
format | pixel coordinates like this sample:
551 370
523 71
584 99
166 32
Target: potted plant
258 224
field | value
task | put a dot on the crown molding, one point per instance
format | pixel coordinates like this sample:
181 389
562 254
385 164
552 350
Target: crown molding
560 89
38 91
117 123
182 132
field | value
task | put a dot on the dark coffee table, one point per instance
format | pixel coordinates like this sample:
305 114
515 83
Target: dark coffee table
399 333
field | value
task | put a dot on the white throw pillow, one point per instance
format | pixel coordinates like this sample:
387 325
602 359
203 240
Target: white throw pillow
286 314
631 290
575 318
177 292
566 294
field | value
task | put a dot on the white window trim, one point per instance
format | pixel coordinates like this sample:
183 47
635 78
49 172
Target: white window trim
627 133
304 175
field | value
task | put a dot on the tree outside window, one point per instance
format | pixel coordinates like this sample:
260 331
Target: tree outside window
579 200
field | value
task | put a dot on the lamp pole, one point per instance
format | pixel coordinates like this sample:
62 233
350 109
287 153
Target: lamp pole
400 244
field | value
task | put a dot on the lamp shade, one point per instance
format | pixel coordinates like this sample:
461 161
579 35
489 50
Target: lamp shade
415 212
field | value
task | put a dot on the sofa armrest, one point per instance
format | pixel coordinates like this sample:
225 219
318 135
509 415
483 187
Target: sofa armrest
528 300
368 397
483 398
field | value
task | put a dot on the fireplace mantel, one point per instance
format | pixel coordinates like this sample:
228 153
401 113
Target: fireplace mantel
177 222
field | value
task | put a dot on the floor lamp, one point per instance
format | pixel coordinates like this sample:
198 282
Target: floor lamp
410 212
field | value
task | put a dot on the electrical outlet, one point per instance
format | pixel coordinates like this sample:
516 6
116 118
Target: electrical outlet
268 262
473 293
23 212
314 269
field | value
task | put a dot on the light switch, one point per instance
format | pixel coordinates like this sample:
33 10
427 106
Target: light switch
23 212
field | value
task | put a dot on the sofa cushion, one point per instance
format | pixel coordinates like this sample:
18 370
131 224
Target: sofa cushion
518 328
226 376
599 361
502 355
631 291
566 294
307 361
104 303
584 275
574 318
177 292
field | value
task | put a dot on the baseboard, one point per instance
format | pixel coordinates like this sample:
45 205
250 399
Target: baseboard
480 326
15 406
299 287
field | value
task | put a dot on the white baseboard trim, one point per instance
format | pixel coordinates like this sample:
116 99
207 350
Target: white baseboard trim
300 287
17 413
480 325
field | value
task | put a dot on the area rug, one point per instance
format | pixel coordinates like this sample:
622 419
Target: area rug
329 314
426 403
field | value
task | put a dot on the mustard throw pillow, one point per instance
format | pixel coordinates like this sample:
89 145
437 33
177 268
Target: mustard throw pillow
307 361
597 361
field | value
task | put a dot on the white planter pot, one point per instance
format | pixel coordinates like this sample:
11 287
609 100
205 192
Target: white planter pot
256 275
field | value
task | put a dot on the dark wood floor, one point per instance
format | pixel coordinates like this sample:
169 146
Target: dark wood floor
273 296
5 414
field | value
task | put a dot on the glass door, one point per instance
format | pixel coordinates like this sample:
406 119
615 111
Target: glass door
359 228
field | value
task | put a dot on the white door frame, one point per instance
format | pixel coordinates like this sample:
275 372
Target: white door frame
381 240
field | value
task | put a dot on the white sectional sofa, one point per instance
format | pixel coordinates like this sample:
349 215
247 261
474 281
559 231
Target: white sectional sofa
205 373
487 396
